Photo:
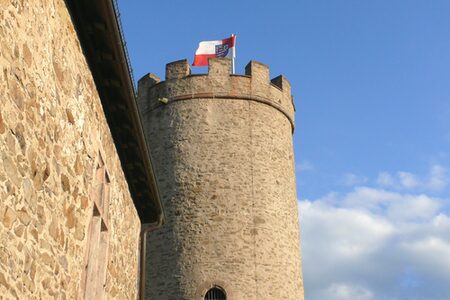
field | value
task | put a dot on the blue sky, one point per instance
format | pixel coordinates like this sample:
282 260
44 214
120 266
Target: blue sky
371 87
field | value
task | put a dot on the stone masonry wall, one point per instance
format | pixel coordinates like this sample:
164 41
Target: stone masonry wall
52 128
222 147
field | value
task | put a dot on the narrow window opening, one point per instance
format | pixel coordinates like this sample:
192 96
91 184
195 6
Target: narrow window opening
215 293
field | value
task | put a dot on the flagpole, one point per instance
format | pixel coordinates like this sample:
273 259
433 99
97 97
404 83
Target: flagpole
233 53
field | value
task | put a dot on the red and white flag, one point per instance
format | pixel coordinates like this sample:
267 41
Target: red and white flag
211 49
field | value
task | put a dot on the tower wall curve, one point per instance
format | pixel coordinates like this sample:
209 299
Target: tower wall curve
223 153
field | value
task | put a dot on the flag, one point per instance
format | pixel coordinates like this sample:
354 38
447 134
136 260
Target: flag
211 49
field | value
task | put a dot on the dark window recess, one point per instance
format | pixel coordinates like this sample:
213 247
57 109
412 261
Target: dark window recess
215 294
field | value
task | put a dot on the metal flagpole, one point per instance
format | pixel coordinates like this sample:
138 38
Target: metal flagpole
233 53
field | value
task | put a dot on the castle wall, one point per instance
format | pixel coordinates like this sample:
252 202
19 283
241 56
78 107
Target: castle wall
52 129
222 147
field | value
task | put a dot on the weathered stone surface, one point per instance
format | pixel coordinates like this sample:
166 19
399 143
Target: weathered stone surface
18 133
70 117
53 229
27 56
23 216
70 216
19 230
78 166
84 201
9 217
34 233
223 154
29 193
79 233
52 128
11 169
2 125
3 281
65 183
17 94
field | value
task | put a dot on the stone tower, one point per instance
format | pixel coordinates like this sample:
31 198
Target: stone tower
223 154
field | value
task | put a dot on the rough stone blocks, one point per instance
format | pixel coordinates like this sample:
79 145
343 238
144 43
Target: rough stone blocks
52 128
222 145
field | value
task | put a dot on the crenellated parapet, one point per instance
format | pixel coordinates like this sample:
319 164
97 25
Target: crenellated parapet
218 83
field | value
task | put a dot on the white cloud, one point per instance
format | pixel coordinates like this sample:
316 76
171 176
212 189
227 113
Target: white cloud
436 181
408 180
392 204
431 256
347 291
357 233
375 244
385 179
350 179
305 166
